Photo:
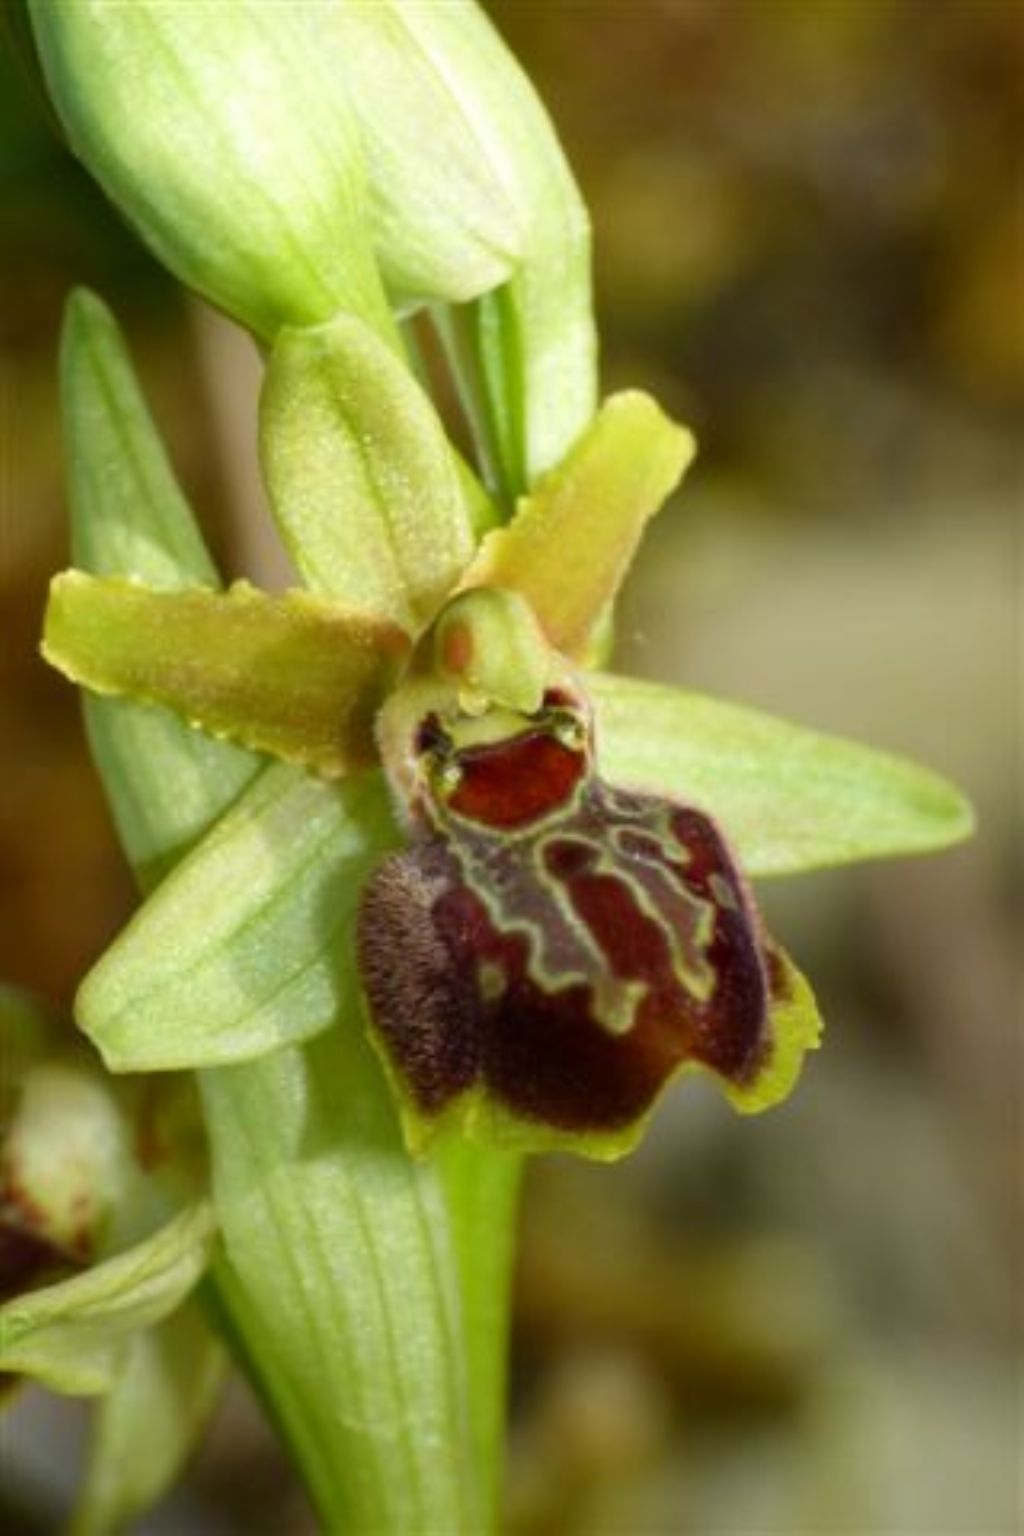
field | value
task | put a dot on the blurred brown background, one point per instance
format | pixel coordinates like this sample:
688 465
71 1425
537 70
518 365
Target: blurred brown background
808 219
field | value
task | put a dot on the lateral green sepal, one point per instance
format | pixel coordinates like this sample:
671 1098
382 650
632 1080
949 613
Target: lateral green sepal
788 799
293 675
72 1336
246 946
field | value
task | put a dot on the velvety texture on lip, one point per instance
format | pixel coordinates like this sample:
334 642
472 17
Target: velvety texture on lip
562 944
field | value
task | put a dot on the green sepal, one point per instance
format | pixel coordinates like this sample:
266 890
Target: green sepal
788 799
148 1422
570 543
245 947
222 135
361 477
294 675
129 518
72 1336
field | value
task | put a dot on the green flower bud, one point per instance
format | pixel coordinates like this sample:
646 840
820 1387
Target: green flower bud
221 132
78 1154
447 219
274 156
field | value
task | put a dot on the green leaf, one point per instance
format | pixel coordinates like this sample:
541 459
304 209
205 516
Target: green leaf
221 133
482 1189
293 675
72 1335
571 540
340 1270
244 947
148 1423
128 517
361 476
789 799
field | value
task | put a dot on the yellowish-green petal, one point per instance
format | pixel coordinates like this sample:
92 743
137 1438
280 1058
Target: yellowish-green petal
570 543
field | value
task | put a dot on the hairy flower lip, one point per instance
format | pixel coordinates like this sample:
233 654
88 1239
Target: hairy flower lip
549 952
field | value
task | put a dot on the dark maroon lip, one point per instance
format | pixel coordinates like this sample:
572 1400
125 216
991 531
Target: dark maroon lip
511 784
571 969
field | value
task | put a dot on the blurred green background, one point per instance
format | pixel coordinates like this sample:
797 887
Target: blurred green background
809 239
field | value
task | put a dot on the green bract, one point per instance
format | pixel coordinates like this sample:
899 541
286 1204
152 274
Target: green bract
273 156
446 225
525 353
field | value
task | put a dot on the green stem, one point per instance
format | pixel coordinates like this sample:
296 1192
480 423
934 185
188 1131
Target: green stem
483 1188
370 1292
480 341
